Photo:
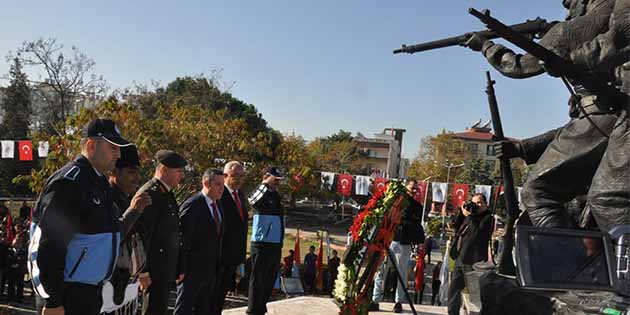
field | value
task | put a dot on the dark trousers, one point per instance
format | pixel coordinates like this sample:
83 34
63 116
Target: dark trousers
455 288
225 283
565 169
155 298
265 267
309 281
78 299
428 257
15 281
195 295
435 291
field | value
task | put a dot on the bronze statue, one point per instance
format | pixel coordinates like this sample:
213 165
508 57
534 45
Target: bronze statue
567 165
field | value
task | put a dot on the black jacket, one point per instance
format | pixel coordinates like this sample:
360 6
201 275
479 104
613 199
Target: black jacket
76 230
160 226
235 235
410 230
201 242
474 235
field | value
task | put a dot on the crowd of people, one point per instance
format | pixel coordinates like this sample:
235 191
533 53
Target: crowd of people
14 239
103 243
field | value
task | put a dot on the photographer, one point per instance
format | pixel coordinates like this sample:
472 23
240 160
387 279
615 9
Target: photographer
473 226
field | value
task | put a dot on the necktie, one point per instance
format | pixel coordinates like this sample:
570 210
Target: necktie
216 217
238 205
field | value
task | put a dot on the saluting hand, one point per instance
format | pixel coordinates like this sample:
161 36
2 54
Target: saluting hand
59 310
140 201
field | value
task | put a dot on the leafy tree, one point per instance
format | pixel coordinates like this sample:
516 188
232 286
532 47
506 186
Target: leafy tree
16 119
292 155
435 153
476 172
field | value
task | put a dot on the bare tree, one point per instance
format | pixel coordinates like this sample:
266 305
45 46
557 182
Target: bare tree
66 81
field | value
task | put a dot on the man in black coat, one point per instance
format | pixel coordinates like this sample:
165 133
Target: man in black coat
234 206
202 227
474 229
408 232
160 226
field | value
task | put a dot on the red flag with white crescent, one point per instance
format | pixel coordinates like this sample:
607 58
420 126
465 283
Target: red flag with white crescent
421 192
344 185
26 150
380 184
460 193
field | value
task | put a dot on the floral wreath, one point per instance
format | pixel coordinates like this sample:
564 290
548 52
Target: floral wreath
372 231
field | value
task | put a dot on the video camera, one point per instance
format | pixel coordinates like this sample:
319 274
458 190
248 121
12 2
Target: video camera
471 207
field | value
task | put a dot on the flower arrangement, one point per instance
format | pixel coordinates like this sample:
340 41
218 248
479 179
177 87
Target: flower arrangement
372 231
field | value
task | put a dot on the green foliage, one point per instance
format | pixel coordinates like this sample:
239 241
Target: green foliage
16 119
434 226
435 153
475 172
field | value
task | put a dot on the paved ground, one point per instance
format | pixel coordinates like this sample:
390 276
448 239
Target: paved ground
325 306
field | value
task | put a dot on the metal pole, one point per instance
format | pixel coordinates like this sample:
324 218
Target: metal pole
401 281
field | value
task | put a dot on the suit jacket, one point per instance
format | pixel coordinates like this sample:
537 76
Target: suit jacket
160 226
201 245
235 237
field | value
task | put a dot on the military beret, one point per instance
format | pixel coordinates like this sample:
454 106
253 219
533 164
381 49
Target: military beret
128 157
170 158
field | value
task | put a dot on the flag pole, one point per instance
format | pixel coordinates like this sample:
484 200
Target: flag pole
424 204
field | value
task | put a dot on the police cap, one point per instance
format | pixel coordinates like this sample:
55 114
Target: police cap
106 129
273 171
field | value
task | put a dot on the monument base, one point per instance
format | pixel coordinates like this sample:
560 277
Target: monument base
308 305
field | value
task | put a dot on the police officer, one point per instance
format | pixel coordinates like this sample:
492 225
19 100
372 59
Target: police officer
160 225
266 241
75 233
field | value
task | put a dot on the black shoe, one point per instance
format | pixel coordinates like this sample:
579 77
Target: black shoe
398 308
373 307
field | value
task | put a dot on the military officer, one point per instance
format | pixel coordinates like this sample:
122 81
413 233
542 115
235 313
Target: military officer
160 225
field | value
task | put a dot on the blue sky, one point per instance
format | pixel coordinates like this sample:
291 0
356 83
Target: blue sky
310 67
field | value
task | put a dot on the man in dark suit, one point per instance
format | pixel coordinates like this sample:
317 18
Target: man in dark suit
160 227
202 226
235 237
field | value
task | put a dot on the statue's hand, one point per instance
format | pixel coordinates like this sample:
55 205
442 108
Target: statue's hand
507 149
475 42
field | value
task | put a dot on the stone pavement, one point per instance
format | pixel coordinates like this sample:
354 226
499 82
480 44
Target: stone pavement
325 306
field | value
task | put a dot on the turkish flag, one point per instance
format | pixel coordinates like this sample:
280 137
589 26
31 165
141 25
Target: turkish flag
380 184
26 150
420 269
460 193
344 185
421 192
